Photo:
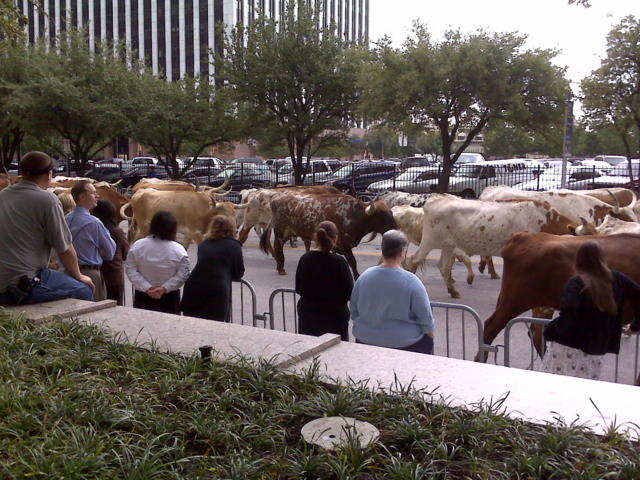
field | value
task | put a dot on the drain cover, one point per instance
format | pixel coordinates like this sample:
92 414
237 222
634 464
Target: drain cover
330 432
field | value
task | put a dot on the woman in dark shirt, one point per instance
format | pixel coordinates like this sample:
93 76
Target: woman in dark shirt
113 270
324 283
207 291
590 320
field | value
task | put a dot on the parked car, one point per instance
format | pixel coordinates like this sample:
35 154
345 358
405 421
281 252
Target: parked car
597 164
317 172
465 158
201 175
579 177
611 159
106 172
202 162
137 161
133 176
243 175
255 160
469 180
356 177
412 180
418 161
276 164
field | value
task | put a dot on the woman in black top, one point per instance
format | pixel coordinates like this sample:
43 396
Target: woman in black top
590 320
324 283
207 291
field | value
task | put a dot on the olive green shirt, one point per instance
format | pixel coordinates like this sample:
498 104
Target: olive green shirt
31 224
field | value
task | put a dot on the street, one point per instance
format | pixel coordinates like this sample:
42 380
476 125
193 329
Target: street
260 272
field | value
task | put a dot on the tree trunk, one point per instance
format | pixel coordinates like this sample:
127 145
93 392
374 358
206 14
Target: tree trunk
447 166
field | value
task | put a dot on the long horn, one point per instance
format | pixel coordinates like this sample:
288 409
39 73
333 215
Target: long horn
221 194
373 235
221 187
122 211
242 206
116 184
616 202
370 208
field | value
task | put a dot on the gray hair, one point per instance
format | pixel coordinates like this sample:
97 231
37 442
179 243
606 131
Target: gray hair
394 242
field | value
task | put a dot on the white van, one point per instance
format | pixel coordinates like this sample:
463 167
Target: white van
470 180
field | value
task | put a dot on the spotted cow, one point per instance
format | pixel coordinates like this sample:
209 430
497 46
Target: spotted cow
393 198
295 213
479 228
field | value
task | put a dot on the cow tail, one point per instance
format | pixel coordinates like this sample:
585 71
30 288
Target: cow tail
123 213
265 240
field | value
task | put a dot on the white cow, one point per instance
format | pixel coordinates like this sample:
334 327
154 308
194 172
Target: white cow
479 228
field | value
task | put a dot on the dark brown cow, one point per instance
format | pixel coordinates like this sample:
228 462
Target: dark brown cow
538 265
299 214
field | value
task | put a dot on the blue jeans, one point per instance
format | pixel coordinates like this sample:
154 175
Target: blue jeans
53 285
424 345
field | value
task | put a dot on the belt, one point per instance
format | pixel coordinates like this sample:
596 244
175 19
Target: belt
91 267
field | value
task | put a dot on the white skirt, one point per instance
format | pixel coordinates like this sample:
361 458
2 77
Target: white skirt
563 360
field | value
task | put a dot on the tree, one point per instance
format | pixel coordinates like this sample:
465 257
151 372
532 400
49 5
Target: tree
79 95
460 84
589 141
15 59
11 20
611 94
504 140
297 82
183 117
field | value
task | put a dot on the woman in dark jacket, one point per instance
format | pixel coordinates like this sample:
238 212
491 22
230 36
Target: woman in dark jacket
590 321
113 270
207 291
324 283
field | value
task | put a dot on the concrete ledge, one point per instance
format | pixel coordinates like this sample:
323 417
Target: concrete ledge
186 334
533 396
67 308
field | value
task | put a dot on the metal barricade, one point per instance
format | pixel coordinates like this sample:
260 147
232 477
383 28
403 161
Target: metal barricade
246 311
465 313
625 348
283 293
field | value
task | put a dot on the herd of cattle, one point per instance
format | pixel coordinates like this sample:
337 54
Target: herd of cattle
536 233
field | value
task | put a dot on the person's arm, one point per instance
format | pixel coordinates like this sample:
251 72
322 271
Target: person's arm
178 279
131 267
106 245
238 265
421 308
631 293
69 259
300 275
570 300
353 306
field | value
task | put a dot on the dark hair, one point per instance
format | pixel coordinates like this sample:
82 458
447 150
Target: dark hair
164 226
596 277
326 235
221 227
35 164
79 188
106 212
393 243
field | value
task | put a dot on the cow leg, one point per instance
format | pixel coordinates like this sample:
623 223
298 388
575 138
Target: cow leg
536 331
307 244
244 234
447 264
482 265
292 242
492 269
464 258
417 258
507 308
278 250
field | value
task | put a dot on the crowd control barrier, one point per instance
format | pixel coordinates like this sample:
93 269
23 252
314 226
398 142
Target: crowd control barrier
620 368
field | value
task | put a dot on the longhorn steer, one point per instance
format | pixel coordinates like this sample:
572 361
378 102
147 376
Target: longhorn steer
411 221
105 190
193 211
394 199
479 228
538 265
299 214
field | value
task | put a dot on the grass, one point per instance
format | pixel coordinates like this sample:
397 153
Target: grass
76 404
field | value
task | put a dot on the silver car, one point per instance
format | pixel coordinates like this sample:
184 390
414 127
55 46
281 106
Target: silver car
412 180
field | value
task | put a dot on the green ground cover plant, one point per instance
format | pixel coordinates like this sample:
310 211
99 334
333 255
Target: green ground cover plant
77 404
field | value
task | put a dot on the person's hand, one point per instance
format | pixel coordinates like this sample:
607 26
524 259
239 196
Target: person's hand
626 329
53 266
87 281
156 292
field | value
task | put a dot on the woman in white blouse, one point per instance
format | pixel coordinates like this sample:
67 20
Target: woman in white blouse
158 266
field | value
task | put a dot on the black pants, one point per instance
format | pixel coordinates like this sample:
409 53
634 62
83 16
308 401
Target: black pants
116 292
168 303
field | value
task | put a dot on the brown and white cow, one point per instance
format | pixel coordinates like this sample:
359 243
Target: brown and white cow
411 221
479 228
257 213
538 265
193 211
160 184
610 226
295 213
570 203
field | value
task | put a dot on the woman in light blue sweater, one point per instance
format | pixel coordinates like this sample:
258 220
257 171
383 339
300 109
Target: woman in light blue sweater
390 306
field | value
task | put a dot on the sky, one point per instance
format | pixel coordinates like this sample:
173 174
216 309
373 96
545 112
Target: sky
580 33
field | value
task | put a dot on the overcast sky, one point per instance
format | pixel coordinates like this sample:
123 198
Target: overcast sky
579 32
